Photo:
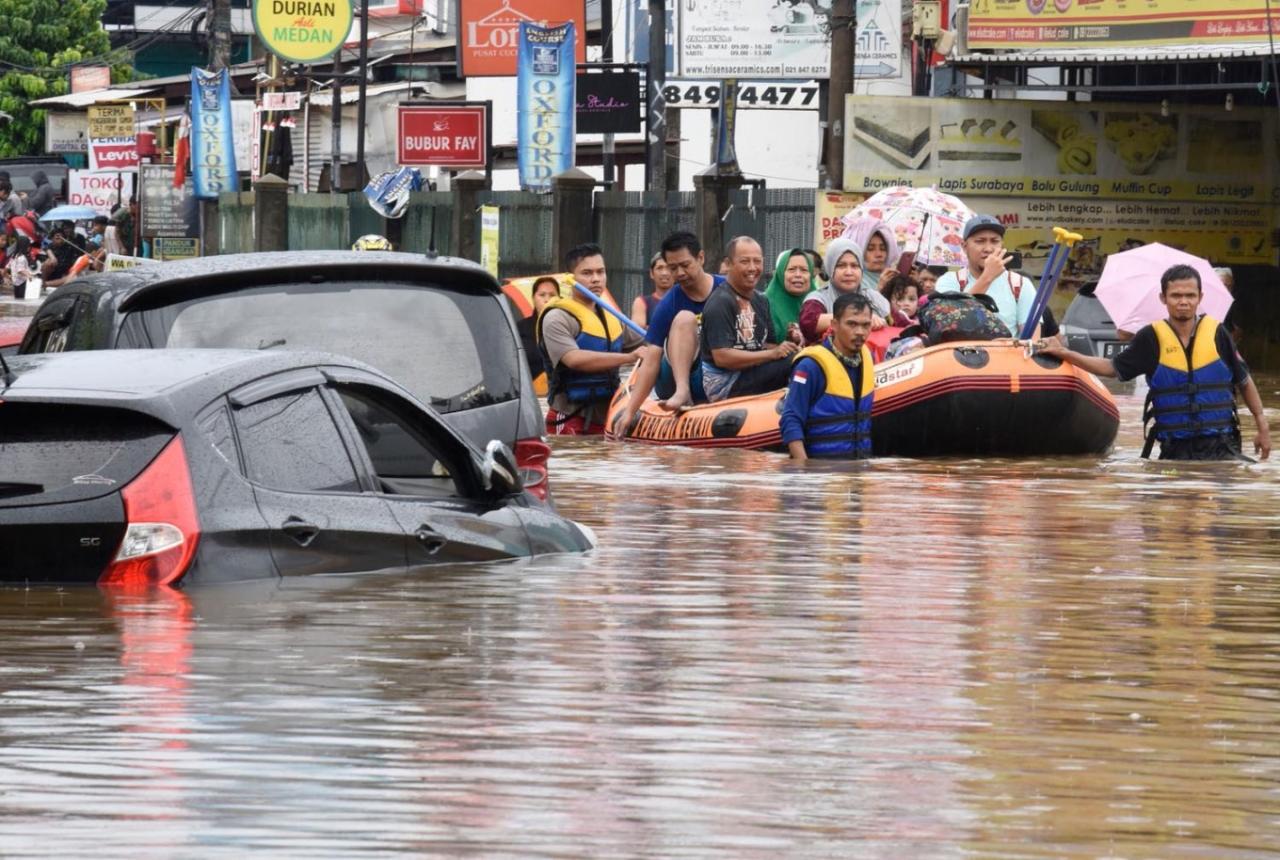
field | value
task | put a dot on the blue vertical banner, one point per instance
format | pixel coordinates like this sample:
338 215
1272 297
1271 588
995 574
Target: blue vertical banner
545 102
213 150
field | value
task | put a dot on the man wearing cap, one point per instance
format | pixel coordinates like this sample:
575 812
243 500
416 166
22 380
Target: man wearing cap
1013 294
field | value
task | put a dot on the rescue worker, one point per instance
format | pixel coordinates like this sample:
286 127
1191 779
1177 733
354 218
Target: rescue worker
583 349
827 412
1192 370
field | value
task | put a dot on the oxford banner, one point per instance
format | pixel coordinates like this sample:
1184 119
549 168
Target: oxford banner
213 147
545 103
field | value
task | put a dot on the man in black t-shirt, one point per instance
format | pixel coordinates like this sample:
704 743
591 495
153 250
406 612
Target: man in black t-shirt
740 355
62 256
1192 388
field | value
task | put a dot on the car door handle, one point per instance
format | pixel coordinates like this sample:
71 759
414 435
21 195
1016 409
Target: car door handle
302 532
432 541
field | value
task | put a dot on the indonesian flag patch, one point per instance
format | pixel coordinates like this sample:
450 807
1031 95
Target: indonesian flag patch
801 376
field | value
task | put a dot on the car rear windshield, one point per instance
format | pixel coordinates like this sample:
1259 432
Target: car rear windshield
454 350
63 453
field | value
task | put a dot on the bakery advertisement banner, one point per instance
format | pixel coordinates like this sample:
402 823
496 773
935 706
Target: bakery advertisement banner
1060 149
1115 171
1084 23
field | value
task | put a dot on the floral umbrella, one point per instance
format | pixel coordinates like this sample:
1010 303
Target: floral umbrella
923 219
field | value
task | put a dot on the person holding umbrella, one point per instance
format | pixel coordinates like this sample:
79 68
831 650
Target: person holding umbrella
1192 370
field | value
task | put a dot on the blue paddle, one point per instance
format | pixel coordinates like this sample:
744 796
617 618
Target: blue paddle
610 309
1063 241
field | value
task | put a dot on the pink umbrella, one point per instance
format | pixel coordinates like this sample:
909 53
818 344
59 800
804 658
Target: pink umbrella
1130 286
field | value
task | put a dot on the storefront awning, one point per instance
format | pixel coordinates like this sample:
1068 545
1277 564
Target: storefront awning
1101 55
93 97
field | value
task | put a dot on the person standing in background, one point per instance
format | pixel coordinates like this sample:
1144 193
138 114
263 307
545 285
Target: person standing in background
662 278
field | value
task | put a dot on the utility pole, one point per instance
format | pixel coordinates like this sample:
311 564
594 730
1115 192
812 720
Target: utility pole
364 80
335 159
844 28
606 57
219 34
656 121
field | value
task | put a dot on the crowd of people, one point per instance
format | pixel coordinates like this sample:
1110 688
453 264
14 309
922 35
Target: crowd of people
54 253
709 337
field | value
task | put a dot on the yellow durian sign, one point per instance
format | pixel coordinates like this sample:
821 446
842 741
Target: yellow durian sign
303 31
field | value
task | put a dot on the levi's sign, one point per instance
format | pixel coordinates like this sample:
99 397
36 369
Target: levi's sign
302 30
454 136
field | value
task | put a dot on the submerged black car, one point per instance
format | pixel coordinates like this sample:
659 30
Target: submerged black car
438 326
153 467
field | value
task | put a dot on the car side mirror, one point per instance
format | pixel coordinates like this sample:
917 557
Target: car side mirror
499 471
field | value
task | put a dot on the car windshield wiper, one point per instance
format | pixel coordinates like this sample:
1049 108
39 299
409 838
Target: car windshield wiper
271 344
18 488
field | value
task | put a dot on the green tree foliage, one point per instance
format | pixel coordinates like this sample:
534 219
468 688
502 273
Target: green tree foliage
39 43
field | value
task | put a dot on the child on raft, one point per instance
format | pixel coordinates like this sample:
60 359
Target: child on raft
903 293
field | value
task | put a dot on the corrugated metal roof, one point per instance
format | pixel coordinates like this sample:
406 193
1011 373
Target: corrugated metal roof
93 97
1152 54
351 91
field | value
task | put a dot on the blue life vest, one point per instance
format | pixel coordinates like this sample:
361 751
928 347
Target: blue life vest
839 423
598 332
1191 389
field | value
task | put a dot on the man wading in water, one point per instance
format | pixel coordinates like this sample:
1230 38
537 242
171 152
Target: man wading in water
1192 369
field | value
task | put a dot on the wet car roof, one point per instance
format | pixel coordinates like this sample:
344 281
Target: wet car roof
161 281
168 383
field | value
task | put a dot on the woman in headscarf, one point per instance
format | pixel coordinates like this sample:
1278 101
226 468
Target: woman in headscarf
879 251
844 264
793 279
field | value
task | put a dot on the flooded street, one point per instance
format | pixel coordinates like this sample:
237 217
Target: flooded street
1066 658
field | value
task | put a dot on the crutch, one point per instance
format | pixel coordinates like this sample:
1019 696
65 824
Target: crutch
1063 240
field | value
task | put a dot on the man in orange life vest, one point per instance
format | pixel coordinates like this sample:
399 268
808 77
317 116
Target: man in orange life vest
1193 371
827 412
583 349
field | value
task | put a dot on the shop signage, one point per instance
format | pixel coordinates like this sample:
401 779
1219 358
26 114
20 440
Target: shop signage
489 31
111 121
86 79
490 219
167 211
1061 149
213 148
291 100
771 39
302 30
1200 177
686 93
452 135
608 102
102 190
545 104
829 207
66 132
175 248
1064 24
113 153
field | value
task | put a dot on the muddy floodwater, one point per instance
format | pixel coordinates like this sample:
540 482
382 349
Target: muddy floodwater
899 659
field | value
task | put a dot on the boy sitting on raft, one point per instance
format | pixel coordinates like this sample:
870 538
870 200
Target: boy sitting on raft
827 412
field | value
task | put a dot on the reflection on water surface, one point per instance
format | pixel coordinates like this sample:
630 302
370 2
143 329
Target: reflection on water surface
892 659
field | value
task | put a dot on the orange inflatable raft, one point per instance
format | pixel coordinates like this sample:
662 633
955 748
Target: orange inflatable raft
956 399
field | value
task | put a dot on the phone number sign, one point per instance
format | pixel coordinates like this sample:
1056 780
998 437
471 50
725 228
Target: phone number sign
752 95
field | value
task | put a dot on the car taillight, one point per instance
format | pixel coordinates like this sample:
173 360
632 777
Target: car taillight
531 457
162 532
